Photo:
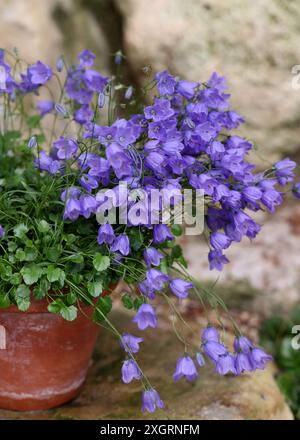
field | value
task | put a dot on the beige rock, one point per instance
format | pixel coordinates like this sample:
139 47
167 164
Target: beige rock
46 29
29 27
254 396
254 44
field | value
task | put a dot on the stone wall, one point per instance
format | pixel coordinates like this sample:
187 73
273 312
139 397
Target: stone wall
255 44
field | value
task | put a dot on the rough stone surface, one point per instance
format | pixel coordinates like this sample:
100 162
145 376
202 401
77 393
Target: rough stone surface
211 397
254 44
45 30
29 27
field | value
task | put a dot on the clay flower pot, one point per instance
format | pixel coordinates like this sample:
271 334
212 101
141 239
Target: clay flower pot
43 358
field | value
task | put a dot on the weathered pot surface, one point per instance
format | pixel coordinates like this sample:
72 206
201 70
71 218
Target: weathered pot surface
43 358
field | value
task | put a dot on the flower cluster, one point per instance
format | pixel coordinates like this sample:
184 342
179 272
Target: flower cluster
245 358
181 141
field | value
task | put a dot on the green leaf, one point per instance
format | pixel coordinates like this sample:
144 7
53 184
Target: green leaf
15 279
55 274
31 274
71 298
41 290
183 261
5 272
164 265
176 230
103 307
101 262
55 306
176 252
43 226
69 313
22 297
30 253
12 246
136 239
20 230
127 301
76 258
4 301
53 253
12 258
69 238
20 255
95 288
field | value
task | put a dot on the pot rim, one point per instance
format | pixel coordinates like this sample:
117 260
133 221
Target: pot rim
41 305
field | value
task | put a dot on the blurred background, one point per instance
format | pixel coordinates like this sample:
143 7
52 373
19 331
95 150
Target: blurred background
256 46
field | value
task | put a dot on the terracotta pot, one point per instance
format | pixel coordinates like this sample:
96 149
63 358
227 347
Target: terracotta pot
43 358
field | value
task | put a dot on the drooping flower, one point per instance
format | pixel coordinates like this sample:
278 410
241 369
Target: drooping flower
185 367
296 190
252 195
119 161
121 244
146 289
39 73
45 163
88 205
65 147
156 279
75 87
284 171
225 364
152 256
180 287
94 81
187 88
106 234
72 208
214 350
151 400
210 334
84 114
130 343
258 358
243 363
2 232
130 371
45 107
161 233
243 344
217 260
145 317
88 182
219 241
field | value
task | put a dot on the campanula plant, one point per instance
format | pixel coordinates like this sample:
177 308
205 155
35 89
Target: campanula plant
74 165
